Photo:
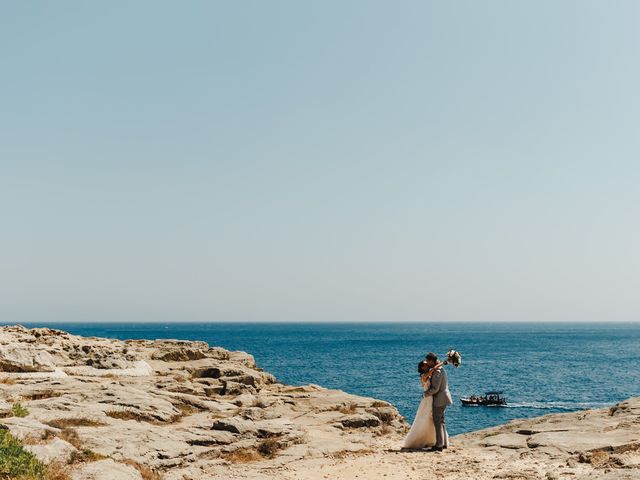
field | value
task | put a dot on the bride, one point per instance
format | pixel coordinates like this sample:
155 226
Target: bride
423 431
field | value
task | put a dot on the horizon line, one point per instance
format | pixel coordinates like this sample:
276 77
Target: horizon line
307 322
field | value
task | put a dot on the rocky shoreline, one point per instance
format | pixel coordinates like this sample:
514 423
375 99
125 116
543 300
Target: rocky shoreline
95 408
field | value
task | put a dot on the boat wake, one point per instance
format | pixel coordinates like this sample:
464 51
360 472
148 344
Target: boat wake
568 406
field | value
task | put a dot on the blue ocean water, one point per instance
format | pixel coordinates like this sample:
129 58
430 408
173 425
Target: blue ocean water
542 368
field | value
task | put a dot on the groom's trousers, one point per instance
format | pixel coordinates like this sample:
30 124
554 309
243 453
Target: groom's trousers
441 428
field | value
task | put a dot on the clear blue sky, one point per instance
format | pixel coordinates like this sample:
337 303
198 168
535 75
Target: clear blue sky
311 161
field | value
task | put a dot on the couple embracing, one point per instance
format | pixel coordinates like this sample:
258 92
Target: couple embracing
429 429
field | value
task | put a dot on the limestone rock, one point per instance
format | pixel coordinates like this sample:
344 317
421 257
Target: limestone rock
5 409
234 425
137 404
180 351
212 437
25 358
506 440
138 368
582 441
107 470
27 427
56 450
360 420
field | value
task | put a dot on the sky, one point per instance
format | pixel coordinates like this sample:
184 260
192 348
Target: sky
319 161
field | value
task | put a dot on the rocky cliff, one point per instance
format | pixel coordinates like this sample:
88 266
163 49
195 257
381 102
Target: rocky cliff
174 409
95 408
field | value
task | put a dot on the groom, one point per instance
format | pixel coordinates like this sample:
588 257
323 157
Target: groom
439 389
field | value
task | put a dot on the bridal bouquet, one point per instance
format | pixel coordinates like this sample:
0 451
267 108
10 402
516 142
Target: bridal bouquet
454 358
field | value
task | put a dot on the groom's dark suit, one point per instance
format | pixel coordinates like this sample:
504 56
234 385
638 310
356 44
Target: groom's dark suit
439 389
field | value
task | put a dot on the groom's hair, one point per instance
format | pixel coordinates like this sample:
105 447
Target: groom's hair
432 356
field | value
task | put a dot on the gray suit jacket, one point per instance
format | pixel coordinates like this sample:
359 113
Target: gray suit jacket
439 388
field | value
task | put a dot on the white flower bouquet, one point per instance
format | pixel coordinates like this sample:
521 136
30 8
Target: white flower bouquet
453 358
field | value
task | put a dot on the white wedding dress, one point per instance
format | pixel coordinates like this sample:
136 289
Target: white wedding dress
423 431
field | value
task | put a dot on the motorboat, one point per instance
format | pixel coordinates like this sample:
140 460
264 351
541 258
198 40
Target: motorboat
489 399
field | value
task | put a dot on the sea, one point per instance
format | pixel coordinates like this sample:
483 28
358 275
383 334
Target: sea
542 368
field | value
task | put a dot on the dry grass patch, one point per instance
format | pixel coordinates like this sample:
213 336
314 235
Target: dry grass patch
347 408
138 416
269 447
242 455
126 415
85 456
42 394
44 437
260 403
599 459
57 471
63 423
82 455
384 430
385 416
187 409
146 472
34 439
180 378
71 436
629 447
351 453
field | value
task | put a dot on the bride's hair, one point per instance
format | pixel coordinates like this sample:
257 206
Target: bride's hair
423 367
